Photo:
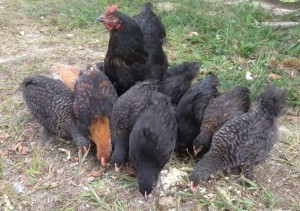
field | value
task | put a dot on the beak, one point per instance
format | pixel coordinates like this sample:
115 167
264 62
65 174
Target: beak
84 150
146 196
100 19
194 186
117 168
103 162
196 151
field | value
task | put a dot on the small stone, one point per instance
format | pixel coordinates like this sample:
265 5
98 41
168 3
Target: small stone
19 188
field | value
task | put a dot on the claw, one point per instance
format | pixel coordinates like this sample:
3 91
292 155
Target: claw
103 161
84 149
146 196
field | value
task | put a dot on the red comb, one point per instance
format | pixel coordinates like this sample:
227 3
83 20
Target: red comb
112 8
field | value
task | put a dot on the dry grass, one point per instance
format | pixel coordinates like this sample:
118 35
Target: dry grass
38 175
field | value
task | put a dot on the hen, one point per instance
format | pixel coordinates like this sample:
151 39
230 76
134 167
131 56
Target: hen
178 79
154 35
150 24
51 103
218 112
94 99
128 58
151 141
125 112
244 141
190 111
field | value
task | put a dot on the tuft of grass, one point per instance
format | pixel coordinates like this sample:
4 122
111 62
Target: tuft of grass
99 201
128 182
37 165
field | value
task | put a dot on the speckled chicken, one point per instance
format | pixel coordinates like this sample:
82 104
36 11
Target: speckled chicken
151 142
218 112
244 141
126 110
190 110
178 79
51 103
93 103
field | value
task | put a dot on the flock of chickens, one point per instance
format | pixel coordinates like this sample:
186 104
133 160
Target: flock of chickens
134 108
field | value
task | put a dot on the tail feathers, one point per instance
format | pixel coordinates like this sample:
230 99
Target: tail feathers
178 79
213 80
27 81
188 69
272 101
35 80
66 73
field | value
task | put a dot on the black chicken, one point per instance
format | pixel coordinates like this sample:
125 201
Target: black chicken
51 103
244 141
178 79
151 142
129 59
150 24
218 112
94 99
190 111
126 110
154 34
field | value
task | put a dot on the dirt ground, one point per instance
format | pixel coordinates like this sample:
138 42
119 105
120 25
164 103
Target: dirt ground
39 175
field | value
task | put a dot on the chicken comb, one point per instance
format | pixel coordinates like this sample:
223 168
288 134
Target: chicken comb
112 8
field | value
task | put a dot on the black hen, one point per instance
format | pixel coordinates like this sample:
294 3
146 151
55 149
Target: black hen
151 142
150 24
126 110
94 99
51 103
244 141
218 112
154 34
178 79
190 111
128 58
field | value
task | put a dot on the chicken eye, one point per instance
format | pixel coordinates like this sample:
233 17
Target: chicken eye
113 18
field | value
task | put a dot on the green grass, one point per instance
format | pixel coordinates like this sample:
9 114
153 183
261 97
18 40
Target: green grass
37 165
230 40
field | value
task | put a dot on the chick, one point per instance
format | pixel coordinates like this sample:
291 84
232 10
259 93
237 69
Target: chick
93 103
190 111
125 112
51 103
218 112
151 142
244 141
